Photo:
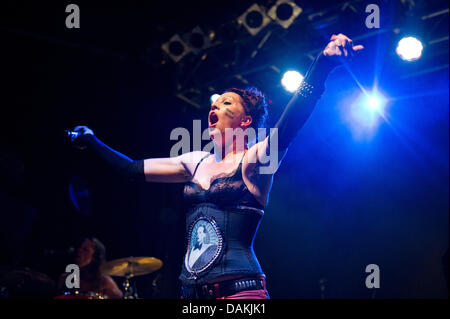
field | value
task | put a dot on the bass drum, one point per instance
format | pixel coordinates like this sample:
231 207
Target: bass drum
79 294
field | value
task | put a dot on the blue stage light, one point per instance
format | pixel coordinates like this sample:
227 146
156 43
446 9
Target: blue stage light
366 112
409 49
375 102
291 80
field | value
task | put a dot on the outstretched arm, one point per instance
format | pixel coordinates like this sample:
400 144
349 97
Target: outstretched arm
165 170
121 163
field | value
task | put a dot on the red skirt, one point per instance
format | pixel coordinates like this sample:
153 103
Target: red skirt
249 294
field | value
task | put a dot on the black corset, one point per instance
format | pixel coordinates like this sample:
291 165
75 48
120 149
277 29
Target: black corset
221 224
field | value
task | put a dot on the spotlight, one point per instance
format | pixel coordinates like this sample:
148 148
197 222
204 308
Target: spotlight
176 48
214 98
254 19
284 12
409 49
367 110
197 40
291 80
375 103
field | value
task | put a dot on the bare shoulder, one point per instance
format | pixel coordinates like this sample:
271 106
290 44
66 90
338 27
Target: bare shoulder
191 159
108 281
109 287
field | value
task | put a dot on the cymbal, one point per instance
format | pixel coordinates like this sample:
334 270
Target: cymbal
131 266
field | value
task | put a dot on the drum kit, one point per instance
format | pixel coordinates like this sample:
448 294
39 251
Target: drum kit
25 283
30 284
128 268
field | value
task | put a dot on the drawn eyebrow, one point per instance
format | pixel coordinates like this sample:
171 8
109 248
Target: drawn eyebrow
221 99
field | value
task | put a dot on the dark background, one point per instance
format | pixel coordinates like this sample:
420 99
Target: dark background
344 197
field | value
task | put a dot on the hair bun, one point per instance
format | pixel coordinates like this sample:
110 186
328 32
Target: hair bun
255 104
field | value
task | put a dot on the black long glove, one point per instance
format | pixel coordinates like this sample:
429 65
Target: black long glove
302 104
121 163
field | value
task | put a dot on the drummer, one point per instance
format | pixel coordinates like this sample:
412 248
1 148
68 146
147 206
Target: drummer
90 256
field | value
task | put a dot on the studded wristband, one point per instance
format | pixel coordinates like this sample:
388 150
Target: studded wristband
306 90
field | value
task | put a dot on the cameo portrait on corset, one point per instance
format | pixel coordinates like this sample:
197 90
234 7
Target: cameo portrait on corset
205 244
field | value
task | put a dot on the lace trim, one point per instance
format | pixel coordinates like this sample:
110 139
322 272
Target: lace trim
216 177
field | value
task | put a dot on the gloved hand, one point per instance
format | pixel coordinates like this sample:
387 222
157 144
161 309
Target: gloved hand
80 140
82 137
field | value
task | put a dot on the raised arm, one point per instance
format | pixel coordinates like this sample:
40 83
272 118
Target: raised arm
302 104
294 117
166 170
305 98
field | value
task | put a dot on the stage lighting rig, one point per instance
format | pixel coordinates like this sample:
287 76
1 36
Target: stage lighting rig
197 40
176 48
284 12
254 19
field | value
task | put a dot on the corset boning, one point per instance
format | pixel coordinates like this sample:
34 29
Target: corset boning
220 242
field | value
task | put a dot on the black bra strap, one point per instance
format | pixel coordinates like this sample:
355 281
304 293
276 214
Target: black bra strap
242 158
199 164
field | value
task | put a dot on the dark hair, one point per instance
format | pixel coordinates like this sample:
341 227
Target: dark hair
92 272
254 103
98 258
99 252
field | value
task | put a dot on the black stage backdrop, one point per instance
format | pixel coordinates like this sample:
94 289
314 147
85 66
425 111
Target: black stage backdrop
338 203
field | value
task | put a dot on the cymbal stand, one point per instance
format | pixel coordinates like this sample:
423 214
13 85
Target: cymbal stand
129 287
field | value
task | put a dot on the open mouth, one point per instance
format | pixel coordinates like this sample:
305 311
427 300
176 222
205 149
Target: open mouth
213 119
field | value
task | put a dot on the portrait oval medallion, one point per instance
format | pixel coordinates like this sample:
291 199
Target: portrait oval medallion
205 244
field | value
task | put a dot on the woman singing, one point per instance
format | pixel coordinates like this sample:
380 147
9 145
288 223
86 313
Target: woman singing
226 190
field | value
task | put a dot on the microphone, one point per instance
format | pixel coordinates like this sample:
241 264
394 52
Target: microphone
71 136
